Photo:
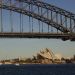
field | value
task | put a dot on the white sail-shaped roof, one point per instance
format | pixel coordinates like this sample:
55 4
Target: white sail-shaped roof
46 53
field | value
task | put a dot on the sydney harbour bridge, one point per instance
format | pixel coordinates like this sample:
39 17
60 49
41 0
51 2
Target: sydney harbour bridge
35 19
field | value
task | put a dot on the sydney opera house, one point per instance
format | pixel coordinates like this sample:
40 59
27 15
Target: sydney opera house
47 56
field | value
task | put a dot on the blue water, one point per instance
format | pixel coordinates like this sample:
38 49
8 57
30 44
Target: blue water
64 69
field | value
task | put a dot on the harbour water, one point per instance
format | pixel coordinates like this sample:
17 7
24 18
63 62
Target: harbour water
38 69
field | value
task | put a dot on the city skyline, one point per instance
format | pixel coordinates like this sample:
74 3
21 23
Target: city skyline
11 48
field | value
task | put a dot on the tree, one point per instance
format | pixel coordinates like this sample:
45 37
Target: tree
28 60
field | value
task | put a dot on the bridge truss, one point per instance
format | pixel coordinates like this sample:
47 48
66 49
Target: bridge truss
35 19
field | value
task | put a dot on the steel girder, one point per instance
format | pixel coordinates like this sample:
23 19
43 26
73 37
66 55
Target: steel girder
50 7
36 16
63 36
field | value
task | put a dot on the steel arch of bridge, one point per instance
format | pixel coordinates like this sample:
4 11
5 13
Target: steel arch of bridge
62 20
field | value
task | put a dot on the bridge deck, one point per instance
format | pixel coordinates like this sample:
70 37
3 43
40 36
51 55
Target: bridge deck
37 35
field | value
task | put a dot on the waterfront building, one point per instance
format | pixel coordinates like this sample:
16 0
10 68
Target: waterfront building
47 56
